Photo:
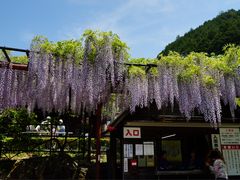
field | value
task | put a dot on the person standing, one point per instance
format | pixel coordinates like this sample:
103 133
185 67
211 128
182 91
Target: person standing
217 165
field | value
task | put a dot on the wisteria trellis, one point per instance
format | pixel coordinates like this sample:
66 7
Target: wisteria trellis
56 83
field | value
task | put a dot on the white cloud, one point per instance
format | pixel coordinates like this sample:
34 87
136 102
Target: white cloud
134 10
129 20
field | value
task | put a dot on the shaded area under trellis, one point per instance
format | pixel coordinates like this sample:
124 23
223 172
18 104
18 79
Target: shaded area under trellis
78 138
49 167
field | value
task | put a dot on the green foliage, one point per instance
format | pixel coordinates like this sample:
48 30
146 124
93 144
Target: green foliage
74 48
2 57
14 121
62 49
192 65
232 54
189 72
110 109
208 80
201 65
237 100
209 37
172 59
42 144
136 71
14 59
141 70
98 39
19 59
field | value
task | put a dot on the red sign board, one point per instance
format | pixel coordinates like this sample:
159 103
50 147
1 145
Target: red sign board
227 147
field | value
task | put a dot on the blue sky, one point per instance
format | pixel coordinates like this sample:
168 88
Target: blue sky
147 26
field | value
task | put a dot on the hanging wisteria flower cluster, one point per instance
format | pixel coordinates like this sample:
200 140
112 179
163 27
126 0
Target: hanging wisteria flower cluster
13 85
65 80
195 82
74 75
78 75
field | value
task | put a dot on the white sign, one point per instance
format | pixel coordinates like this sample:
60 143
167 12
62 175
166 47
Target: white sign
125 165
231 154
148 148
128 150
216 141
230 140
229 136
138 149
131 132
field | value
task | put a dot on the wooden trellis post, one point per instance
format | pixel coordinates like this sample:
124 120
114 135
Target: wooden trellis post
98 138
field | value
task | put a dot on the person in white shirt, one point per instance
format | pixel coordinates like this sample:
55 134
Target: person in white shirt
45 125
61 128
217 165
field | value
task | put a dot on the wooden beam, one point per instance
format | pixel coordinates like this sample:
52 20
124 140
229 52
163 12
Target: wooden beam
178 124
23 67
14 49
144 65
19 66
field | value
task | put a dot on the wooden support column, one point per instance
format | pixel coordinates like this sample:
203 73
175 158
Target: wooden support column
112 156
98 137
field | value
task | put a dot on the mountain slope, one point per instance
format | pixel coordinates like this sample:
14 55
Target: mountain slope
209 37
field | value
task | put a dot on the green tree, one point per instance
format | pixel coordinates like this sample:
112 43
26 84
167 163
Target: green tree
12 123
210 37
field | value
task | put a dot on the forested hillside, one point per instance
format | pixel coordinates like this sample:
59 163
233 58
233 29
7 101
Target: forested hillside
209 37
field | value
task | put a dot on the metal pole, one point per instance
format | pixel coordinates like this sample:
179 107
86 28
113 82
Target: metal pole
89 138
51 137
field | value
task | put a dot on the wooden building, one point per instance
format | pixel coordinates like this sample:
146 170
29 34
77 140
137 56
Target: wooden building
137 141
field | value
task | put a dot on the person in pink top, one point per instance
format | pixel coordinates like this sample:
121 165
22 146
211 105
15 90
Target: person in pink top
217 165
